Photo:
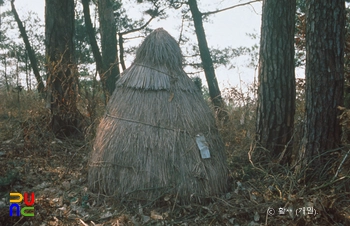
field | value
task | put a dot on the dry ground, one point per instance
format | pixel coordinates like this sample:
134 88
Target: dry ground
34 160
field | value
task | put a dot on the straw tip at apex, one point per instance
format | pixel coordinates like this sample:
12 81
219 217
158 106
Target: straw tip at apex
159 29
159 49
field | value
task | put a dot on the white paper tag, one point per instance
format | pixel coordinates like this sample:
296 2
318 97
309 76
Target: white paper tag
203 146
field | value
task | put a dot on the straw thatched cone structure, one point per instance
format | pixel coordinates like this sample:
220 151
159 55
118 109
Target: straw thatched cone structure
147 142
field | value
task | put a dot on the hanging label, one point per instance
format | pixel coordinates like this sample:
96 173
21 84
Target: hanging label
203 146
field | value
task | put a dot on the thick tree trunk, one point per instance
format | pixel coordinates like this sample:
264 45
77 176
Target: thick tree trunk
29 49
276 92
325 30
207 62
62 73
109 44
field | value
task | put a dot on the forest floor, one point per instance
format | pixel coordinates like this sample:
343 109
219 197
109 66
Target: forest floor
34 160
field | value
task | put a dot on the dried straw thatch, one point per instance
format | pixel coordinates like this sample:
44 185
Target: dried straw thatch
146 142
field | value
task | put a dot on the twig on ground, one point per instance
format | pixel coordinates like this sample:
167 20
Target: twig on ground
329 183
341 164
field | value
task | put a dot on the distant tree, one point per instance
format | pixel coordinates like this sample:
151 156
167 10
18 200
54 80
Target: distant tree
82 41
325 30
300 33
29 49
61 68
13 48
5 52
90 30
276 91
207 62
123 26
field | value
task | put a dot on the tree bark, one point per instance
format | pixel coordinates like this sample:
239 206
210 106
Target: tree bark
108 44
276 92
325 34
207 62
121 51
62 73
91 33
29 49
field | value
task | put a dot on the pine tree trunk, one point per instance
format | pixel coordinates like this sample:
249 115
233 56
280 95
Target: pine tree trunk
325 29
108 44
207 62
276 92
121 51
62 74
91 33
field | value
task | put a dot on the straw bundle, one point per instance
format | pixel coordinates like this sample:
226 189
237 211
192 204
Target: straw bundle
145 145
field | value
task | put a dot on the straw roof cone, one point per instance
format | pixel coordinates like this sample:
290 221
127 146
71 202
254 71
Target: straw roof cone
154 137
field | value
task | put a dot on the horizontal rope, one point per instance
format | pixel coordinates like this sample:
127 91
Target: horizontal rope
147 124
142 65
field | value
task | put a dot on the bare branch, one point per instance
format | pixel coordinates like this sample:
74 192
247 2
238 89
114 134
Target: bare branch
134 37
194 73
195 65
139 28
231 7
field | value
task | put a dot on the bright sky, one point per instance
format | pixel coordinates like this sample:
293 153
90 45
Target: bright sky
228 28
